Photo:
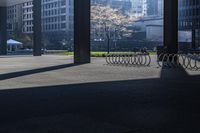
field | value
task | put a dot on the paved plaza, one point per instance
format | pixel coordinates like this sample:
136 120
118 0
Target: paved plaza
50 94
28 71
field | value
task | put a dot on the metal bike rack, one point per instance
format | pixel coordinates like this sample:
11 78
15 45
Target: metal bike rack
135 59
188 61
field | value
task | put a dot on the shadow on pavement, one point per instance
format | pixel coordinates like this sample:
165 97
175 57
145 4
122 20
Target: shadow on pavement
169 104
34 71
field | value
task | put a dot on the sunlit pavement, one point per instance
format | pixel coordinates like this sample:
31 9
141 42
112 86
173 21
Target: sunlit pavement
97 71
50 94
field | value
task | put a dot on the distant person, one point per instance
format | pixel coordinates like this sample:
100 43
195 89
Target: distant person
144 50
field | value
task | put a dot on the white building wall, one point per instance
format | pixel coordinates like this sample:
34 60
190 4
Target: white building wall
14 18
185 36
154 33
160 7
27 19
139 8
57 15
11 2
148 21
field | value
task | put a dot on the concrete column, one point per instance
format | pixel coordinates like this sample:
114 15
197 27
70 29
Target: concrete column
10 50
193 38
171 25
3 31
81 31
37 35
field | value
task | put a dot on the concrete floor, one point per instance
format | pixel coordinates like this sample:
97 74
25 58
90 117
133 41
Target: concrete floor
50 94
28 71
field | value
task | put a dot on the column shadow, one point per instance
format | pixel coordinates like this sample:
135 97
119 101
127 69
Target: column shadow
34 71
166 104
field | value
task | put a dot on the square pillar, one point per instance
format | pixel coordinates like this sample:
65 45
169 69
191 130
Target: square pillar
193 39
171 25
3 30
81 31
37 32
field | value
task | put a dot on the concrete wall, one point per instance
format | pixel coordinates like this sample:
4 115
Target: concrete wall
148 21
154 33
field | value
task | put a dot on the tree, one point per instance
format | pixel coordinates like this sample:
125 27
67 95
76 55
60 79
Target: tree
17 34
108 23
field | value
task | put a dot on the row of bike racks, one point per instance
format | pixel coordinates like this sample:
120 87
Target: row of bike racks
135 59
187 61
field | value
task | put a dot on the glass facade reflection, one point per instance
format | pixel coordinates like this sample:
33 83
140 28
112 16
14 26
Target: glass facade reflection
189 20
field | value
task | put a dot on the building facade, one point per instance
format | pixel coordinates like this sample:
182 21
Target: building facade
102 2
152 26
189 20
27 17
57 15
155 7
160 7
14 18
122 5
152 7
139 8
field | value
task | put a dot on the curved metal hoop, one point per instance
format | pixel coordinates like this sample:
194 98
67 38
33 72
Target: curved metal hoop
128 59
189 61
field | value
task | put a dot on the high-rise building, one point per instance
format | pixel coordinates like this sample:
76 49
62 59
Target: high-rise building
102 2
189 19
57 15
139 8
155 7
14 18
27 17
152 7
122 5
160 7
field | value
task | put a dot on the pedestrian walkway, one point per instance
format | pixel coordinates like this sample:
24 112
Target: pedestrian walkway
51 94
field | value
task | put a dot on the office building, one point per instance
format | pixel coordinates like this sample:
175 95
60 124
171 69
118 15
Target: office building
139 8
189 19
101 2
122 5
14 18
155 7
152 7
57 15
27 17
160 7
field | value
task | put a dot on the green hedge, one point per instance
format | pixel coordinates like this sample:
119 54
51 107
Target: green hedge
102 54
